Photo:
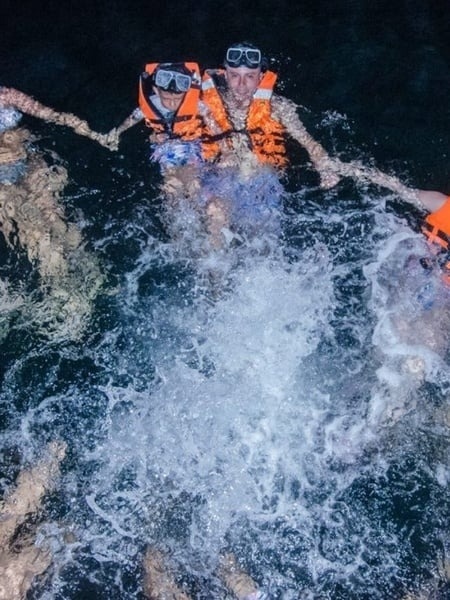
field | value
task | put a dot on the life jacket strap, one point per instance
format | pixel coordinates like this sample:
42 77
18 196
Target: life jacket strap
435 235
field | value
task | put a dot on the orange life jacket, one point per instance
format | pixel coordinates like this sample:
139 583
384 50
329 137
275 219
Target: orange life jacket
186 123
437 226
437 230
266 135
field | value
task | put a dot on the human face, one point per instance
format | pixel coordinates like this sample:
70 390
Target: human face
170 100
242 82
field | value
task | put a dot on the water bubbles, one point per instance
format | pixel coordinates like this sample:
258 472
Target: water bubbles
264 398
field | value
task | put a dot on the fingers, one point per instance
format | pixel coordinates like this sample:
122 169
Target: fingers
328 169
108 140
328 180
81 127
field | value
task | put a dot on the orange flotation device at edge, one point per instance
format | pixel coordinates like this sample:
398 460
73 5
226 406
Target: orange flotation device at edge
266 134
187 123
437 231
437 226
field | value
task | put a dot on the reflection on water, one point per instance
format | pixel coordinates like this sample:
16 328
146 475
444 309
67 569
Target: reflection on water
266 410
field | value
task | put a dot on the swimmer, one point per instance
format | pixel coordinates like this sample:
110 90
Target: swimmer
22 559
169 105
31 216
248 122
422 286
246 126
434 325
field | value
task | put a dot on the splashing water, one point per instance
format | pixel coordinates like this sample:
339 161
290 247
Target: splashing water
241 400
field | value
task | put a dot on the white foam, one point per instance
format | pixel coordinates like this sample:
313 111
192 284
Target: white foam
243 402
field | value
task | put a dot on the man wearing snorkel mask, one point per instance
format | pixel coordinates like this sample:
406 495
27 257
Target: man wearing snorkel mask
244 114
245 128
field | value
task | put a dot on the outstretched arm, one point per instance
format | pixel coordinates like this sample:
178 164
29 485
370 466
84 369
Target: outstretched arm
286 112
332 169
432 201
26 104
423 199
129 122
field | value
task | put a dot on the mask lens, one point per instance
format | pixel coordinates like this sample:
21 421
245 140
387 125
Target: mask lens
234 56
164 79
183 82
253 56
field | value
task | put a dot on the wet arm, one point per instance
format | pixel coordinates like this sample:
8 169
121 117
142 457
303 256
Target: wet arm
28 105
135 117
286 112
325 164
422 199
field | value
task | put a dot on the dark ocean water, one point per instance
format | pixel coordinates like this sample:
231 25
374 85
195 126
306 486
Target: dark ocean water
278 418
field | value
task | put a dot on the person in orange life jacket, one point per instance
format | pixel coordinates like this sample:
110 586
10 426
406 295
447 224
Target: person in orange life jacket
438 205
168 103
243 111
436 226
420 283
247 125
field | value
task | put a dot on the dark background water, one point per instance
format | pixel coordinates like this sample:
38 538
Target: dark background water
384 64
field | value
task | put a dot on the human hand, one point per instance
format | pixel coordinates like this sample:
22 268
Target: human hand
330 170
80 127
328 179
108 140
111 140
157 138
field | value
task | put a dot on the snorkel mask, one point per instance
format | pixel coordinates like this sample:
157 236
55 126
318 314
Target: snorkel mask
244 55
172 78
